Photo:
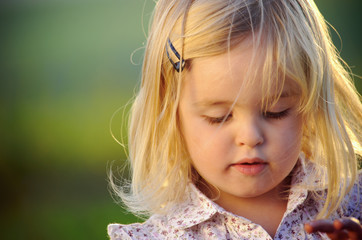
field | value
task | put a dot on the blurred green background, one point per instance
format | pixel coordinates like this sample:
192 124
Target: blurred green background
65 70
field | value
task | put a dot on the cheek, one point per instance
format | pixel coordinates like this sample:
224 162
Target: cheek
204 142
289 139
193 135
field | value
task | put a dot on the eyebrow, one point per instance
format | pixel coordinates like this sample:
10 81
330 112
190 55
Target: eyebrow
215 103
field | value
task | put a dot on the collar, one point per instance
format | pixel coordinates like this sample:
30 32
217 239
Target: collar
196 209
307 179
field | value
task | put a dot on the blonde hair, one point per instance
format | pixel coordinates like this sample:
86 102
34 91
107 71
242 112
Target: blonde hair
296 40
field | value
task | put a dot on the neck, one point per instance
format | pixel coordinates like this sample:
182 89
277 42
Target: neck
270 204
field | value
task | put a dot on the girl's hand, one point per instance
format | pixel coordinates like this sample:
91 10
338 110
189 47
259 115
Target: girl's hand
340 229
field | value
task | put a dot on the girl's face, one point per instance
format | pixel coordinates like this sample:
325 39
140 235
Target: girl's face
251 152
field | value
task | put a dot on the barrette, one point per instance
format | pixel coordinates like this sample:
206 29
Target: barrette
176 65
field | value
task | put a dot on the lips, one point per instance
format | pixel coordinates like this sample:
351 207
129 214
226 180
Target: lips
250 166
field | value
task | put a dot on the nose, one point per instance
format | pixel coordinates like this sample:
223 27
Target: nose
249 133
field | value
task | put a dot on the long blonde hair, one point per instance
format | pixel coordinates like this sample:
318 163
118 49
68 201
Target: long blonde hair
297 42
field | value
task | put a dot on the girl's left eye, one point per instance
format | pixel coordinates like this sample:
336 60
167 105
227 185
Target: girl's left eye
276 115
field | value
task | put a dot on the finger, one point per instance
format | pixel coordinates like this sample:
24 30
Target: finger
308 228
339 235
352 225
319 226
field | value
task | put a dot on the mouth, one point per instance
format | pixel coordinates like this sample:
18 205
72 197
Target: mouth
250 167
253 163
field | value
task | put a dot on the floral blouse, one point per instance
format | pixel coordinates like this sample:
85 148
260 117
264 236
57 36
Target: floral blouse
200 218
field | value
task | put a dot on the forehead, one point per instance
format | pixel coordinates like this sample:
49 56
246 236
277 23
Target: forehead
216 73
233 75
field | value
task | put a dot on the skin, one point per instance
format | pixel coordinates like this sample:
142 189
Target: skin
213 91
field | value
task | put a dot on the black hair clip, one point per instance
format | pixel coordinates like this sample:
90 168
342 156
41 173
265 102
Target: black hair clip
176 65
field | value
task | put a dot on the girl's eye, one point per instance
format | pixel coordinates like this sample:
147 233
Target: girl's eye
276 115
217 120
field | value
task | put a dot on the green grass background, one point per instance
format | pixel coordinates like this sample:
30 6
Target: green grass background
65 69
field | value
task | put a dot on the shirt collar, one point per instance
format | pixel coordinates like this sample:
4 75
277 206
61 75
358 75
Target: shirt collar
196 209
298 193
303 181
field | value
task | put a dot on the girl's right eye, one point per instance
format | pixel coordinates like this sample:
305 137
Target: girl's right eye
218 120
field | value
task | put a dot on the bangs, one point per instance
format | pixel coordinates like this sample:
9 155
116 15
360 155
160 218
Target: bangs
282 74
289 65
272 71
280 31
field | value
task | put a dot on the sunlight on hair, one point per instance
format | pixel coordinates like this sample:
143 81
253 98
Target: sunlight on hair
297 50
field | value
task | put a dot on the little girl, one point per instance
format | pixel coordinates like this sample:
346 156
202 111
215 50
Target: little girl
246 126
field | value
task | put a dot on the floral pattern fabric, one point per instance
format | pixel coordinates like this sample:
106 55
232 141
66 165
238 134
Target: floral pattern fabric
200 218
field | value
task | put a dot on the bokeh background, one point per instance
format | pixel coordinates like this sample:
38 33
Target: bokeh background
65 69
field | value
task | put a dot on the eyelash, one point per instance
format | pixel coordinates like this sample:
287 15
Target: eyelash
267 115
216 120
277 115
